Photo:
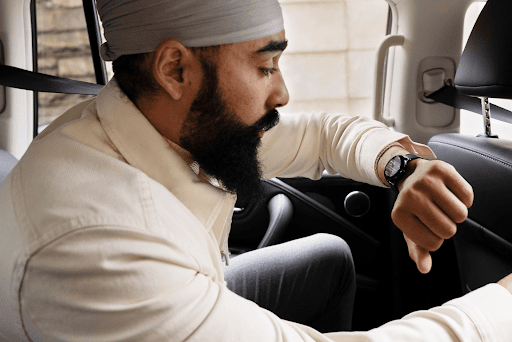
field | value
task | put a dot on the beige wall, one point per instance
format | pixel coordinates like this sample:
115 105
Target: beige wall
330 59
327 66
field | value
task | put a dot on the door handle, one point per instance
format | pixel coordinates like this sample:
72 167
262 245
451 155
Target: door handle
378 100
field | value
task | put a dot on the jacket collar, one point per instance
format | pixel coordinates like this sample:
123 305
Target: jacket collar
144 148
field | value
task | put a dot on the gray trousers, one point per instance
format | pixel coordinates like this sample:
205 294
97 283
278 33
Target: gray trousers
309 281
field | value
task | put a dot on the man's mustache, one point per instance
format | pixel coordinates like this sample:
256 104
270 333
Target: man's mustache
267 121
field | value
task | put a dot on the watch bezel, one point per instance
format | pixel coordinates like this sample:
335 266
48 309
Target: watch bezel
395 171
404 160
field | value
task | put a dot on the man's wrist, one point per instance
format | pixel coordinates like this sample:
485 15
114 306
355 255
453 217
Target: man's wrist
392 151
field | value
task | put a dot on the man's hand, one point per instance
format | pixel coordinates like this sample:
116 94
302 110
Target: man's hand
433 198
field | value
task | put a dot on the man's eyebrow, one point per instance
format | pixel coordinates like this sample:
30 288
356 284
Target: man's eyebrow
273 45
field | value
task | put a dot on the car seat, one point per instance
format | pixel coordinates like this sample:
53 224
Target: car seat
483 242
7 162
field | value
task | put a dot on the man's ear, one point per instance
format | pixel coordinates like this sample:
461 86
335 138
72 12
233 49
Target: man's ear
171 58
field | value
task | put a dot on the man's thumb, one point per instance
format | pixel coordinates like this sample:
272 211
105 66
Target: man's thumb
420 256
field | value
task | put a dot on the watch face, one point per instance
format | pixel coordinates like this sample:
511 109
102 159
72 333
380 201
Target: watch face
393 166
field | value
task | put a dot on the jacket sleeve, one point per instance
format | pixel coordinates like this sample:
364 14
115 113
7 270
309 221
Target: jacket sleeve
482 315
306 144
114 284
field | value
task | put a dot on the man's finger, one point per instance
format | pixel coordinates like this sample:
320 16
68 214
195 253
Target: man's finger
459 186
415 229
420 256
450 204
437 221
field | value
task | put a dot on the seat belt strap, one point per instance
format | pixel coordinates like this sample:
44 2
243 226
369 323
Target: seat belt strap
450 96
29 80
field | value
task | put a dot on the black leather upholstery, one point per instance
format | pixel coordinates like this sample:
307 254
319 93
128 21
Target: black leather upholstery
482 256
484 242
7 162
487 165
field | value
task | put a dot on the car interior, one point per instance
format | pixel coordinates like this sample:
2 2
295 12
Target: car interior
421 54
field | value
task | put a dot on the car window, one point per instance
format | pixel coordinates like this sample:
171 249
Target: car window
62 50
329 62
471 123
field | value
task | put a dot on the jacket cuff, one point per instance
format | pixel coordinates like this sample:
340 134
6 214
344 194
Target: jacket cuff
374 139
490 310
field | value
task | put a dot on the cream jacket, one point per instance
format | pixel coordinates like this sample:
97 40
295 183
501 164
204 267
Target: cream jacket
108 235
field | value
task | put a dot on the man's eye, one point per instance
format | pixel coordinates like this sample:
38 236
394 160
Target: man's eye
268 72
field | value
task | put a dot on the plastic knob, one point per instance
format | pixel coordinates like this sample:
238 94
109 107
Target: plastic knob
357 204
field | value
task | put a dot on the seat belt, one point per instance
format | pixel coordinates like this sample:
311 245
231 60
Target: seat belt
450 96
29 80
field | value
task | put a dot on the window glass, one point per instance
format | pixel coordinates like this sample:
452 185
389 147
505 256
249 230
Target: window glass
62 50
471 123
329 62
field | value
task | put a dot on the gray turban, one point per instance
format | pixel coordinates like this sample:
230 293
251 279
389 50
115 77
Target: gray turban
139 26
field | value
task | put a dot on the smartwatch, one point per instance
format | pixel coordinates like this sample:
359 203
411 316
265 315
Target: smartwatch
395 169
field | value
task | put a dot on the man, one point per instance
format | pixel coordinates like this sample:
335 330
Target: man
117 215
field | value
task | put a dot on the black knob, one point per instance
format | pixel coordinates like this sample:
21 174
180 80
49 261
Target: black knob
357 204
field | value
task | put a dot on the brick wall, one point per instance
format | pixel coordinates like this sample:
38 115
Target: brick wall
327 66
63 50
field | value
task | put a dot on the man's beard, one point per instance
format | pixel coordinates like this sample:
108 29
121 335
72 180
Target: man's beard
225 147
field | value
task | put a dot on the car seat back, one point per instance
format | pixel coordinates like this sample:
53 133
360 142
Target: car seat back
7 162
484 241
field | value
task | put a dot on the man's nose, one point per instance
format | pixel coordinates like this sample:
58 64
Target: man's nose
280 95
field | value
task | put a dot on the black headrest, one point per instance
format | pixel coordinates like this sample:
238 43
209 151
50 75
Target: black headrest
485 68
7 162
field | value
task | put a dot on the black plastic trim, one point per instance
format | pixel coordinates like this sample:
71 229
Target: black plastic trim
93 29
35 67
3 98
324 210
